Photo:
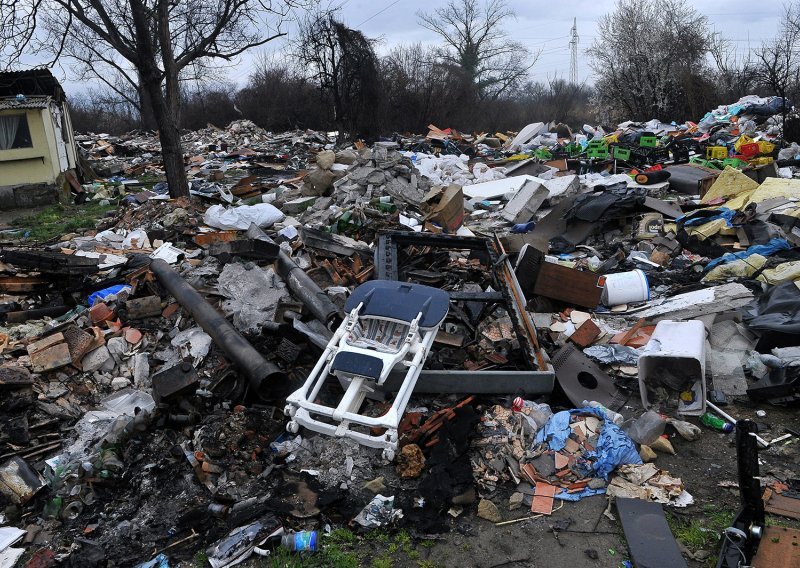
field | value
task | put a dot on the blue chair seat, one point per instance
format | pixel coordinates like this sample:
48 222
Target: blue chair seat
358 364
400 301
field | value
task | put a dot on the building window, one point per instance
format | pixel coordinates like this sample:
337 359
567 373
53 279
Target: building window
14 132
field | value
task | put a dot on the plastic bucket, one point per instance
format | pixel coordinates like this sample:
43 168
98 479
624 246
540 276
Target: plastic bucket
625 288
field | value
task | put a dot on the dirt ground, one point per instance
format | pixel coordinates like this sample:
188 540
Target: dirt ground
591 539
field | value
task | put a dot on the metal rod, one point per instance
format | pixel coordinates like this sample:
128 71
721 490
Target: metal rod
261 373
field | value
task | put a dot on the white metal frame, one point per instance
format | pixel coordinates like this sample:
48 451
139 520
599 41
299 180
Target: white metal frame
300 405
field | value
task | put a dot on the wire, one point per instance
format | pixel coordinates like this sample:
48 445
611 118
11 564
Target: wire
743 563
377 13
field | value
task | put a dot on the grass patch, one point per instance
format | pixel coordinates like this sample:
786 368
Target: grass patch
330 556
702 532
59 219
201 559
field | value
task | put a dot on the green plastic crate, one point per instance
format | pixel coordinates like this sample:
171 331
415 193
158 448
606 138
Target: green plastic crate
621 153
648 142
701 162
734 163
597 149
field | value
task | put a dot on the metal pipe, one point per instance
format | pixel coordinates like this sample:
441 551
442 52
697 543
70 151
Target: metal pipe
734 421
307 291
25 315
261 373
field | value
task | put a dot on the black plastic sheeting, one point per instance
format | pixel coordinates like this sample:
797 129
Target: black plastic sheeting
778 309
617 201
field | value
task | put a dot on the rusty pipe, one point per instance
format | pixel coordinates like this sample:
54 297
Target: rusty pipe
304 288
262 374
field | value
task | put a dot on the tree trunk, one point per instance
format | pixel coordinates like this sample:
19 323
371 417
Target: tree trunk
165 113
147 116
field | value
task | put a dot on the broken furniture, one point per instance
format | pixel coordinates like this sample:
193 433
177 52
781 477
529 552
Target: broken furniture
389 325
532 375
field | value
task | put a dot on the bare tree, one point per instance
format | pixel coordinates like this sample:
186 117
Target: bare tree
343 63
159 39
476 41
644 52
421 89
735 75
777 64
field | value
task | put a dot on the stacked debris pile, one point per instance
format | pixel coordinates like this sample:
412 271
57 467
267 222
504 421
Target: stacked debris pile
549 316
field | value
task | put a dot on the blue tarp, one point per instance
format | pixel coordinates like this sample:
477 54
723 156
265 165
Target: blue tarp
722 213
773 246
106 292
614 447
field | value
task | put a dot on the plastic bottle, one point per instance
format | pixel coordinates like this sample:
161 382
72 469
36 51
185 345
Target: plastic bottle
303 541
615 417
716 423
52 508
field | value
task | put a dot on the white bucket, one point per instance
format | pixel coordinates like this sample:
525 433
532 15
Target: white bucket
625 288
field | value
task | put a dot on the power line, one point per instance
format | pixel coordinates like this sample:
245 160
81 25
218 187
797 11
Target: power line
377 13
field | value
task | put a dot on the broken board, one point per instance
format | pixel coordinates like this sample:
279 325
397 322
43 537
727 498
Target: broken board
576 287
649 539
780 546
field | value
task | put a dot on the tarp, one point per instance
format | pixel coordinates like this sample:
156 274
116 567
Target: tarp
614 447
773 246
778 309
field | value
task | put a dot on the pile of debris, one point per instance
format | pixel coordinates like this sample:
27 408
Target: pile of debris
148 365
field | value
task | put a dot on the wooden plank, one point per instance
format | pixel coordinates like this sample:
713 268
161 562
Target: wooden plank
568 285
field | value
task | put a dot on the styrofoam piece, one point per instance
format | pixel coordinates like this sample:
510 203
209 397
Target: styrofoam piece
676 356
526 134
497 188
525 203
625 288
562 185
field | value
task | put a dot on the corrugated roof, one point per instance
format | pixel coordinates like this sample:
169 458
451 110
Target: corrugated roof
10 103
33 82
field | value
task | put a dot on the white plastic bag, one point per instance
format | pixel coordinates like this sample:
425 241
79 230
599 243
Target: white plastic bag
239 218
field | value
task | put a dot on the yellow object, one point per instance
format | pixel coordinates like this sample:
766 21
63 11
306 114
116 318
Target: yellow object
731 183
785 272
51 152
762 161
708 230
776 187
518 157
741 268
743 139
716 153
765 147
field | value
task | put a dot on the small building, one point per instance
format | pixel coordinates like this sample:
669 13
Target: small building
37 144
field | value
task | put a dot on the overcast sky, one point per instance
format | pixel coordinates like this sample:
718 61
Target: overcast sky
540 25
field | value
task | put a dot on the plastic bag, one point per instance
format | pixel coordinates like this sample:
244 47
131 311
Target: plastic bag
646 429
239 218
687 430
